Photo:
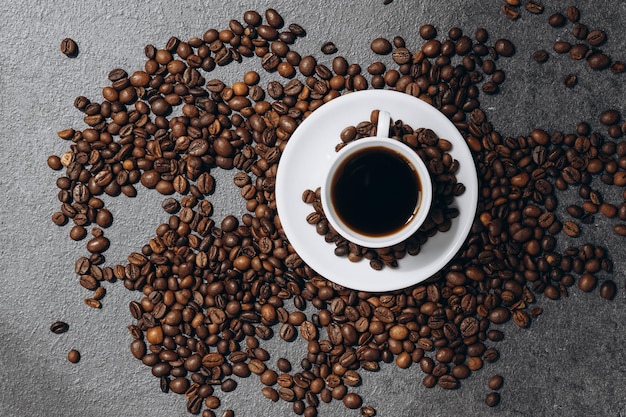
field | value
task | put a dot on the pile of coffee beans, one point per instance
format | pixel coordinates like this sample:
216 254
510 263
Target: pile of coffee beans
434 151
209 291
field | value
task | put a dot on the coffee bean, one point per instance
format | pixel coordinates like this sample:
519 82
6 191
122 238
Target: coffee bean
556 20
73 356
562 47
381 46
620 229
92 303
367 411
609 117
427 31
608 289
598 61
329 48
534 7
274 19
573 14
69 47
618 67
504 47
570 80
510 12
540 55
499 315
448 382
492 399
283 365
352 400
59 327
98 244
571 229
495 382
596 37
587 282
580 31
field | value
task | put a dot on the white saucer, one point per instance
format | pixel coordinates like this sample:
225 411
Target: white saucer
305 159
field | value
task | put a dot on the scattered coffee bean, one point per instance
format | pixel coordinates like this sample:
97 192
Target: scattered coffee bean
59 327
556 20
570 80
492 399
329 48
427 31
381 46
540 55
504 47
596 37
69 47
608 289
495 382
73 356
352 400
510 12
573 14
609 117
534 7
367 411
587 282
598 61
620 229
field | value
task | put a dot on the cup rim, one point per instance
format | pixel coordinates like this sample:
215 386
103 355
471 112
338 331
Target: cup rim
425 196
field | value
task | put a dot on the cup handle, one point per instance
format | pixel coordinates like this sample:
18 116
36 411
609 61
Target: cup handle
384 119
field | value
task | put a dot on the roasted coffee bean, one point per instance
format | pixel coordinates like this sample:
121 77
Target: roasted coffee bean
93 303
620 229
561 47
73 356
495 382
59 327
571 229
598 61
534 7
274 19
609 117
556 20
367 411
504 47
381 46
448 382
596 38
328 48
570 80
587 282
510 12
352 400
573 14
492 399
608 289
540 55
69 47
427 31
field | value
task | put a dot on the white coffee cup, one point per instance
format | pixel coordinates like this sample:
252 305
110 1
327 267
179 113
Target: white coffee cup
367 169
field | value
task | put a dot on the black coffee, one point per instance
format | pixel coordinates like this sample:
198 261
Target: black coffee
375 192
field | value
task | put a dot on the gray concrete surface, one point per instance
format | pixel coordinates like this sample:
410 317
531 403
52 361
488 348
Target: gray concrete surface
571 362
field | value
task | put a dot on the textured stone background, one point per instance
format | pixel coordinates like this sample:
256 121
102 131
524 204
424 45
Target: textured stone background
571 361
